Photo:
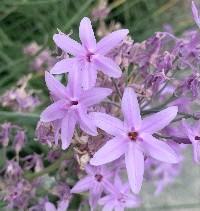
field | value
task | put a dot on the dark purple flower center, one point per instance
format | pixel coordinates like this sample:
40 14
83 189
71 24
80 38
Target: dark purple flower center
89 56
197 138
75 102
133 136
98 177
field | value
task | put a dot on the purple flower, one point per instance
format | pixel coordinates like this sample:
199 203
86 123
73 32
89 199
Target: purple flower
193 133
62 206
90 56
71 106
120 199
195 14
4 133
96 181
133 137
19 140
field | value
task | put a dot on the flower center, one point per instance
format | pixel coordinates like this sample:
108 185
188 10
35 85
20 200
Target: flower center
75 102
89 56
133 136
197 138
98 177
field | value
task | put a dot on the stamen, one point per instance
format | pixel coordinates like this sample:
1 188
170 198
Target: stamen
89 57
74 102
98 177
133 136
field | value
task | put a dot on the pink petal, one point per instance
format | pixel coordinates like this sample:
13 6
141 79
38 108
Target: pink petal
86 122
55 87
94 195
68 45
82 185
67 129
134 160
159 149
111 151
158 121
108 207
111 41
86 34
105 199
63 66
107 66
49 207
74 83
54 111
94 96
196 150
89 75
111 125
195 14
131 109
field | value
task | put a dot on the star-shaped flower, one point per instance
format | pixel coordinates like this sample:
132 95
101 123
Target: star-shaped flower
97 180
70 106
120 199
133 137
90 56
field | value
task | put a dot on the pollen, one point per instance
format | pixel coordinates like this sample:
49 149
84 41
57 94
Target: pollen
98 177
74 102
133 136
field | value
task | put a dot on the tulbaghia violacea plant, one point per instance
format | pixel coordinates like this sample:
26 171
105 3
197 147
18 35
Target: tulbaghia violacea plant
121 112
146 137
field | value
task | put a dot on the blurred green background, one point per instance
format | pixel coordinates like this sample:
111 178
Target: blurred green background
25 21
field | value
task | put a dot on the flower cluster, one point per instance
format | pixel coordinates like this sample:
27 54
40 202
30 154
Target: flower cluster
137 142
121 112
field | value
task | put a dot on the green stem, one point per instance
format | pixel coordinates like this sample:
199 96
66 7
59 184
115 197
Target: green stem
52 168
157 108
19 114
117 88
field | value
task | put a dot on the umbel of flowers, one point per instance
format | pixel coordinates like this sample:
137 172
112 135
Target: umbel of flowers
119 107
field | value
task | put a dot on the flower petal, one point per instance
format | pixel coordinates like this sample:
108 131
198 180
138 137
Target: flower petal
82 185
89 75
159 149
95 194
49 207
108 206
67 44
94 96
107 66
86 34
63 66
86 122
55 87
74 83
195 14
54 111
111 125
196 150
111 41
159 120
67 129
134 160
131 109
112 150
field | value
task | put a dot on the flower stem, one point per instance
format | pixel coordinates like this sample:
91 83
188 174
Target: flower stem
31 176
